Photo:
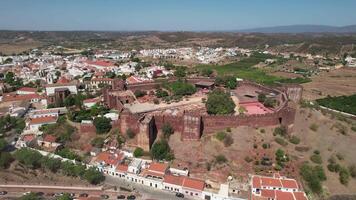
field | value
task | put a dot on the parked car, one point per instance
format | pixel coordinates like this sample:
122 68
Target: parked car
180 195
3 192
121 196
104 196
131 197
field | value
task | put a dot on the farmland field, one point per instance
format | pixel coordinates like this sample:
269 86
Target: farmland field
244 69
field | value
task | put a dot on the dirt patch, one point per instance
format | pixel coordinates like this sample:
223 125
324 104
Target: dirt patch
334 83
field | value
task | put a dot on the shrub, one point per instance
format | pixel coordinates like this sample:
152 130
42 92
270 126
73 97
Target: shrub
262 130
266 145
138 152
228 141
316 158
140 93
282 131
228 129
314 127
220 159
98 142
344 176
130 134
248 159
220 136
353 128
312 177
340 156
155 101
167 130
294 140
281 141
352 170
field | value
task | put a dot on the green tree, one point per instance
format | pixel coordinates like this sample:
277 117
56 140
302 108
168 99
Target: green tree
219 102
3 144
69 101
161 93
30 196
93 176
180 72
102 125
28 157
53 164
5 160
65 196
167 130
161 151
138 152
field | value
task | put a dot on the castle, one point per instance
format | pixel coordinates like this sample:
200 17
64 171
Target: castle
146 119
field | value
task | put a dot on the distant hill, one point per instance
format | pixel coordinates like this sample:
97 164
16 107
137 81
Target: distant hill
302 29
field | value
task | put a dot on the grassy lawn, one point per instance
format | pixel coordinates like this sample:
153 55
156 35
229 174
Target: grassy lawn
244 69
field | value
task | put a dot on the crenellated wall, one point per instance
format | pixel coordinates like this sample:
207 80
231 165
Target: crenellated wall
191 125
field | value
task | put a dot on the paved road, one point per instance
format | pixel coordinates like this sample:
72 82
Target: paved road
18 190
146 192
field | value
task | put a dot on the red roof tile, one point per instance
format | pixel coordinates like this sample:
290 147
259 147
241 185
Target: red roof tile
28 138
43 120
284 195
174 180
300 196
109 158
270 182
193 183
158 167
289 183
256 182
49 138
122 168
27 89
268 193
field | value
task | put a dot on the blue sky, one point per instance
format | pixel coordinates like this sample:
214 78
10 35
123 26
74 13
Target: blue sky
169 15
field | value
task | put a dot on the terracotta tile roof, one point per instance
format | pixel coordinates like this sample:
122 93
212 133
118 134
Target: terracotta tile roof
300 196
174 180
284 195
21 97
101 63
158 167
289 183
109 158
49 138
268 193
122 168
256 182
133 79
27 89
43 120
270 182
195 184
28 138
